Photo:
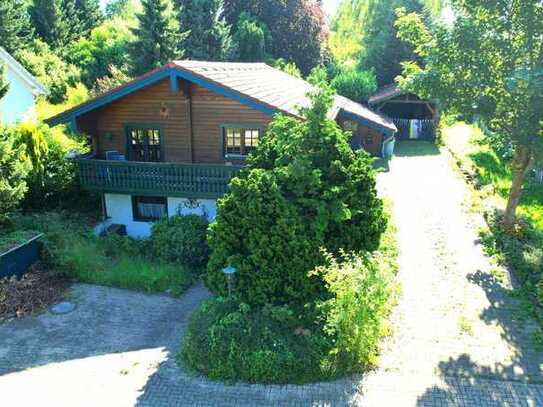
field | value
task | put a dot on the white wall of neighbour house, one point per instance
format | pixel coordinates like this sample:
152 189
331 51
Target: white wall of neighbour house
119 211
18 104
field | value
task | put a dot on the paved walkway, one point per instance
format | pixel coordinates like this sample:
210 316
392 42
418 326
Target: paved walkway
456 342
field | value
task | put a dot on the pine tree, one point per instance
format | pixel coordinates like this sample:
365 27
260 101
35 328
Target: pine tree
209 35
72 21
57 22
4 84
15 26
158 36
90 15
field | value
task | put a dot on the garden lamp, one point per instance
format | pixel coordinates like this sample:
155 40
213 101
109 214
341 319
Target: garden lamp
229 273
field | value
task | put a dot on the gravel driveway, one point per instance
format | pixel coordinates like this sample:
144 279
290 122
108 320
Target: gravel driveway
456 339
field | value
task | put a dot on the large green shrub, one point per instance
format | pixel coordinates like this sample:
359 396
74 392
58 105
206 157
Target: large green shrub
304 189
181 239
229 340
334 335
14 168
52 181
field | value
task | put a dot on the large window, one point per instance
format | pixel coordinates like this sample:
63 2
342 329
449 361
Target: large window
149 208
144 143
239 141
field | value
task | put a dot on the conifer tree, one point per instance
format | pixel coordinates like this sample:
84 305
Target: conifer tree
56 22
15 26
209 35
90 15
158 36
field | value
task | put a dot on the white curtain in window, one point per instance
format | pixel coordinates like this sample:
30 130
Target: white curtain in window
152 210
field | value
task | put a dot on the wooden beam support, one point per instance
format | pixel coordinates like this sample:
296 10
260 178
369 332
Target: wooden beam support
188 96
174 83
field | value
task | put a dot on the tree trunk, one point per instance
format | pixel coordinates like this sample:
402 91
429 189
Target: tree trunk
520 167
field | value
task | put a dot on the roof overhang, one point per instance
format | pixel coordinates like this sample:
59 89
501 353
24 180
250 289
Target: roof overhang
368 123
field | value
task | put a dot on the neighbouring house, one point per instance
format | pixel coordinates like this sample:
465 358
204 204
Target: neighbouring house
19 103
415 118
169 141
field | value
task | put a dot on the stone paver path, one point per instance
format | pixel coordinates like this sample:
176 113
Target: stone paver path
456 342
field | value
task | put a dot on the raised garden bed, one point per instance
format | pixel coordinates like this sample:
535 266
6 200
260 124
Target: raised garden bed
18 251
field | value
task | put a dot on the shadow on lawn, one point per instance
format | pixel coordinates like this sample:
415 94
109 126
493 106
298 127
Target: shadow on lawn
464 378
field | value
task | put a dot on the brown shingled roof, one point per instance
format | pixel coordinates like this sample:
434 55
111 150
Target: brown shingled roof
275 88
258 82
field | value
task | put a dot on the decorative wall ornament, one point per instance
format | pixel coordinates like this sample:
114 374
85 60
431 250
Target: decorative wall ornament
192 206
164 110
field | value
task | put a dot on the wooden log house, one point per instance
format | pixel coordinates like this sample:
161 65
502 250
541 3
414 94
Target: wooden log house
169 141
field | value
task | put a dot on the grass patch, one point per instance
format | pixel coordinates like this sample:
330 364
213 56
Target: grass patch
72 249
336 335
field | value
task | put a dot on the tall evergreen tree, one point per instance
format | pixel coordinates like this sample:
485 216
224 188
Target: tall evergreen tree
158 36
209 35
56 22
4 84
90 14
15 26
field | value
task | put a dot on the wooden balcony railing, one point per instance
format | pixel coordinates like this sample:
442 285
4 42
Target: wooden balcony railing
164 179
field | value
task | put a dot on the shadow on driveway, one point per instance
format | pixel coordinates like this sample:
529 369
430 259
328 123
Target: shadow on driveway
517 383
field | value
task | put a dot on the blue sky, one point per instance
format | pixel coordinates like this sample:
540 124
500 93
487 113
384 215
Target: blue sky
328 5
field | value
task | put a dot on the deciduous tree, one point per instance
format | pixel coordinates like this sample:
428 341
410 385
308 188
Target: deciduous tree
297 27
489 62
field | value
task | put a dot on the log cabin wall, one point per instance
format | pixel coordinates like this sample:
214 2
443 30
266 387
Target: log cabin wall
370 139
158 105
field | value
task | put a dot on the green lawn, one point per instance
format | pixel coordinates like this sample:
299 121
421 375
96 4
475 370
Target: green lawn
523 251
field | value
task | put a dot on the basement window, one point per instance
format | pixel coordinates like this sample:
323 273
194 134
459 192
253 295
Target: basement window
239 142
149 208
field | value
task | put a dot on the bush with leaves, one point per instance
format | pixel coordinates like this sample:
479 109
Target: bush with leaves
52 181
355 84
14 168
181 239
361 292
230 340
304 188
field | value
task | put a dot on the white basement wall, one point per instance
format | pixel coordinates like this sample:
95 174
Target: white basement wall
119 211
